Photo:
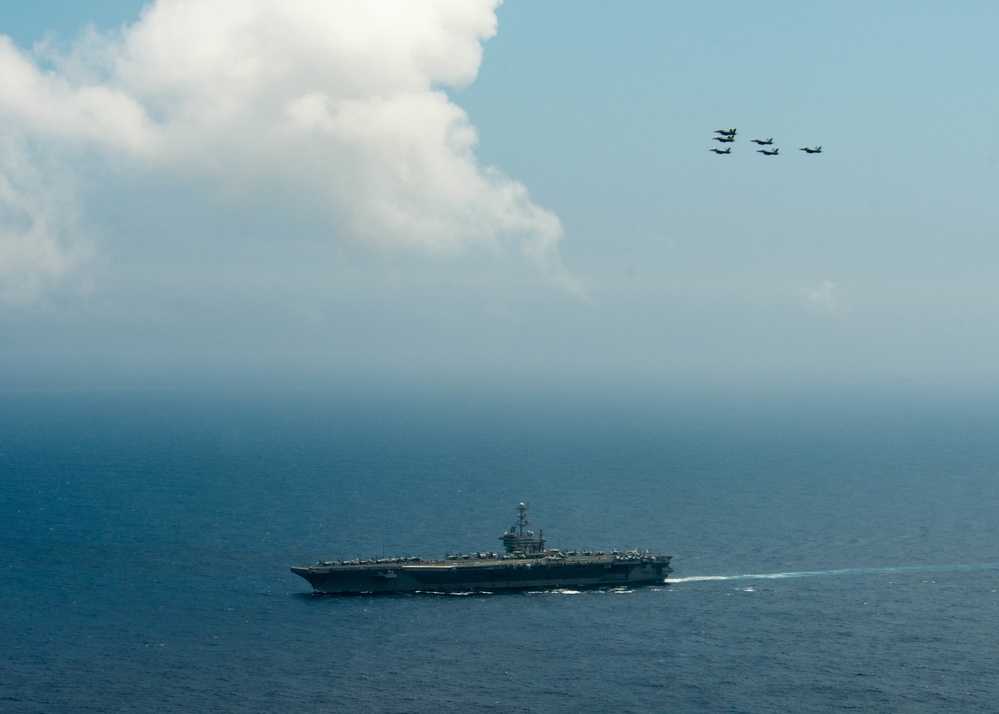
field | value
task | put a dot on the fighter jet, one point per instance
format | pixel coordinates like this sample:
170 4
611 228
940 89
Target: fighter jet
765 152
726 150
726 132
724 138
811 149
763 142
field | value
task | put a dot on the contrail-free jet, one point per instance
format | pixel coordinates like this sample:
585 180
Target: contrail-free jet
811 149
763 142
726 150
724 138
765 152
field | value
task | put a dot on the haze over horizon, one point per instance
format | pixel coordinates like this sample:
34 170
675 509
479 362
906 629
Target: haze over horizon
463 189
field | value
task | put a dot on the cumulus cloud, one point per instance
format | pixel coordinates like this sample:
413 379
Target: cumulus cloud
41 242
47 105
341 103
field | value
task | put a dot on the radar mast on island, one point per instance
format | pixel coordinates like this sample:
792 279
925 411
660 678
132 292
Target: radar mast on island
520 538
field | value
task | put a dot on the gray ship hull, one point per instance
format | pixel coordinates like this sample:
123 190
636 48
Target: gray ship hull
488 574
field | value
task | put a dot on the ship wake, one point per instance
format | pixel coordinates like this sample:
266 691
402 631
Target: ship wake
903 569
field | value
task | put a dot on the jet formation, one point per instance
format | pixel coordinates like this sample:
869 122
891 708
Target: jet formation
727 136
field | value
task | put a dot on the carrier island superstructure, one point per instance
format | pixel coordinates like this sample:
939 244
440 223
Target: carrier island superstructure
526 564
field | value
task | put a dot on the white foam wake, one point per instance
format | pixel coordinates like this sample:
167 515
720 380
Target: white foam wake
841 571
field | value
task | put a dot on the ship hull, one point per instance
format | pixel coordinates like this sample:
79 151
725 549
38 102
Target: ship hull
486 575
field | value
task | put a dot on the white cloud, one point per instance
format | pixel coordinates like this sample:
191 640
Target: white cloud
337 102
40 241
824 296
48 106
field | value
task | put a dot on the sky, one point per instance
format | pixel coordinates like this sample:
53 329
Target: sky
515 193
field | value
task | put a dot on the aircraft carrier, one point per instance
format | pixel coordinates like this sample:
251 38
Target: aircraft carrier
526 564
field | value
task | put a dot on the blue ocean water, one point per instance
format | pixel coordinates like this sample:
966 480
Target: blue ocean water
829 553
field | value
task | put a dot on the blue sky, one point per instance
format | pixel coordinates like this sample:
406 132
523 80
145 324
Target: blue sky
182 203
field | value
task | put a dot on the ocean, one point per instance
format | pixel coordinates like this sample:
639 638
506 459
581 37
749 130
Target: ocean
831 553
